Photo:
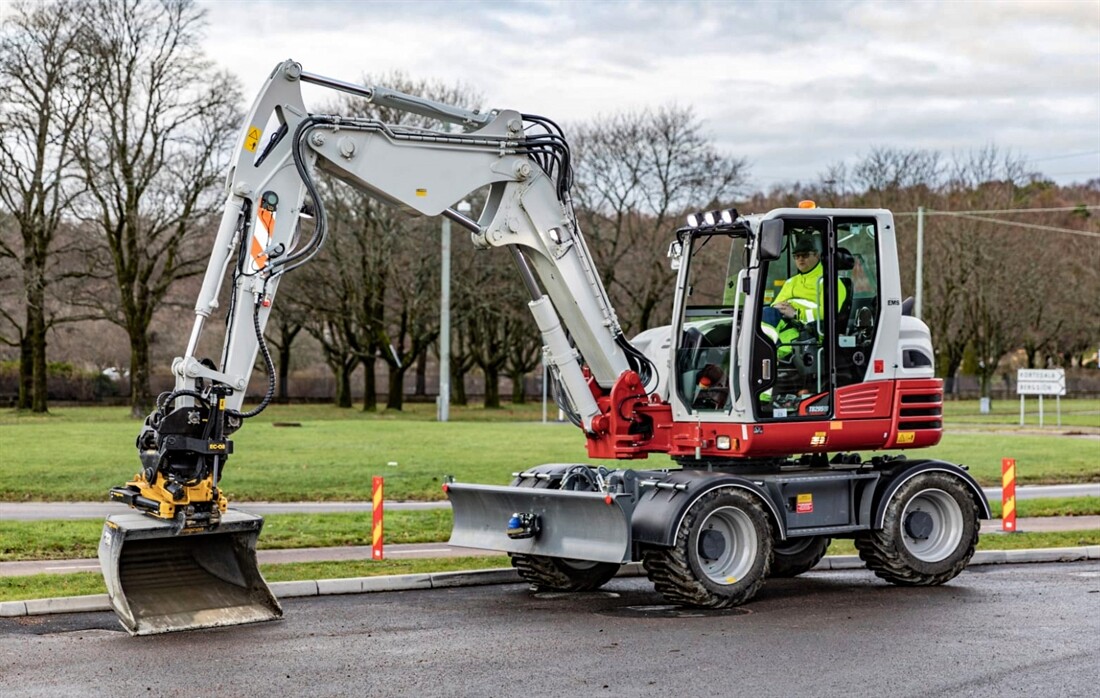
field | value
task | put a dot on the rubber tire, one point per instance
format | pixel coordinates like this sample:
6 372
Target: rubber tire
885 552
676 572
797 555
558 574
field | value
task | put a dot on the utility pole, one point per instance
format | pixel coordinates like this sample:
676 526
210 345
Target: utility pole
443 402
920 263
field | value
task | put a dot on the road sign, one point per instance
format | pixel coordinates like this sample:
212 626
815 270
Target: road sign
1041 381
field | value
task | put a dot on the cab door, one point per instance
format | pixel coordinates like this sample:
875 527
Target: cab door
796 305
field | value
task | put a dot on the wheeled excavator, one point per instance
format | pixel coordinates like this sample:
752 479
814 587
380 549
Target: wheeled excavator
764 414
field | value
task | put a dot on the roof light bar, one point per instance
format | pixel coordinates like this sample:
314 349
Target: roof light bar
712 219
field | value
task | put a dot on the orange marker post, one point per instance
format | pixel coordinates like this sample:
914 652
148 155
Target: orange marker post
376 523
1008 495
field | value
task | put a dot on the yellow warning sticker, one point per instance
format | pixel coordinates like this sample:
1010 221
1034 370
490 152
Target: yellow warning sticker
804 504
421 192
836 426
252 139
907 437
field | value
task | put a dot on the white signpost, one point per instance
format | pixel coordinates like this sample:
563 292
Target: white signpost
1041 381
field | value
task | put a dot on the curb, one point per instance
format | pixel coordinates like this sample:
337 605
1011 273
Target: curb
444 580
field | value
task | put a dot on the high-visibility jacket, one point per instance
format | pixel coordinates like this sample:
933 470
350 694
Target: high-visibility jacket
801 290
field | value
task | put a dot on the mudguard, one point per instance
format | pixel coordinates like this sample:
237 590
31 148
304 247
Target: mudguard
578 525
659 511
893 478
160 579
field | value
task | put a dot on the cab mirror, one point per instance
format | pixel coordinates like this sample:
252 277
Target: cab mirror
771 239
675 254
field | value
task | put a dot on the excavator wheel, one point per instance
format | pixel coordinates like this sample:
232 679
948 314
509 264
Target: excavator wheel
928 534
559 574
721 555
555 573
792 557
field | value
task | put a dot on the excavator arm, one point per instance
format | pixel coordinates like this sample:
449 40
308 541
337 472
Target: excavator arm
271 186
523 161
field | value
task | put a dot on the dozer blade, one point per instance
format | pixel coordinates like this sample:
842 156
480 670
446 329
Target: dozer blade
160 580
568 524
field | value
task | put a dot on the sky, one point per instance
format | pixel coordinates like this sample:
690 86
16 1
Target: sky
793 87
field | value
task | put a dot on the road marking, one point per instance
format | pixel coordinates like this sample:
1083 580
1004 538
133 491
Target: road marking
73 567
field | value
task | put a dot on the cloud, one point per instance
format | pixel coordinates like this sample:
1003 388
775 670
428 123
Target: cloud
794 86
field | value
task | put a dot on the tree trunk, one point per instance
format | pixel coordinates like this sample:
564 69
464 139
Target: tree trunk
282 373
36 335
343 384
492 388
421 374
519 388
395 398
287 332
986 382
370 386
39 368
458 388
26 373
141 398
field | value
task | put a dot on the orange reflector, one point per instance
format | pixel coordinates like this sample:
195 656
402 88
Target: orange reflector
446 488
607 499
806 203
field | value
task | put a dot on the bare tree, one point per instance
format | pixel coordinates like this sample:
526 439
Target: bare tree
388 261
41 78
525 354
902 175
287 327
637 175
155 145
987 179
462 360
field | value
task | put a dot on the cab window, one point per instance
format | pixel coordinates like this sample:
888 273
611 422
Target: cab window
703 359
858 271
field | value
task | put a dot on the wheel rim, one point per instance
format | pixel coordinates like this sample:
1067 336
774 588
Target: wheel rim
726 545
931 525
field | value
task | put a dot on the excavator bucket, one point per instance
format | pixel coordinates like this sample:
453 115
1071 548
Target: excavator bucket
555 523
161 580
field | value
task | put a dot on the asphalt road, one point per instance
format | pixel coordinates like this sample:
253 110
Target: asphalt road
31 511
1001 630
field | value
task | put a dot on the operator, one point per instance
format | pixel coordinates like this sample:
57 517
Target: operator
797 300
794 310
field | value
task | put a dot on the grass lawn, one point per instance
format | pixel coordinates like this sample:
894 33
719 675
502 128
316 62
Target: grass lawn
77 454
1006 413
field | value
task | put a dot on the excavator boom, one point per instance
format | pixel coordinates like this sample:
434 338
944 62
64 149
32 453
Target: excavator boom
189 562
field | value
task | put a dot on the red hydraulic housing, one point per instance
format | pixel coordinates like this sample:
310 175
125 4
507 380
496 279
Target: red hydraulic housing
867 416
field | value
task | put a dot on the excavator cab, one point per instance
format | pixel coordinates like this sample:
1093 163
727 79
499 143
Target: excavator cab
818 314
807 301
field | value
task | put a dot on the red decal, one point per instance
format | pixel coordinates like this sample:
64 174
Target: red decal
879 367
